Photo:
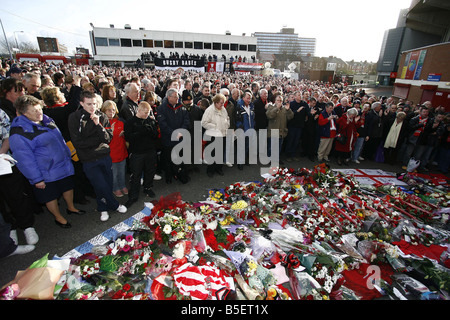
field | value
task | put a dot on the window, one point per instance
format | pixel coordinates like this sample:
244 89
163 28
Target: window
207 45
158 44
103 42
168 44
188 45
198 45
252 47
114 42
217 46
148 43
125 42
242 47
137 43
178 44
234 47
225 46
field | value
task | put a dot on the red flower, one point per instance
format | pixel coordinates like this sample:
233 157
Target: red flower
126 287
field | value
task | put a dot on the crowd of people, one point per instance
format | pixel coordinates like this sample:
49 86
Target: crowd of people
151 56
77 131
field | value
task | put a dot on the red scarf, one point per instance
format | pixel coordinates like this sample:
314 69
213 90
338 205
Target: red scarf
58 105
420 130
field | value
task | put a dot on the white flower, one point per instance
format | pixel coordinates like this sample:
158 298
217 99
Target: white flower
211 225
167 229
190 217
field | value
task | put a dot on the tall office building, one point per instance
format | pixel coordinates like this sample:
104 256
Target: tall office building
47 44
424 23
284 42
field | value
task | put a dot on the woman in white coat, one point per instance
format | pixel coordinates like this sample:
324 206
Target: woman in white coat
216 122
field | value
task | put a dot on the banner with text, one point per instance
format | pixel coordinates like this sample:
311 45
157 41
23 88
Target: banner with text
182 64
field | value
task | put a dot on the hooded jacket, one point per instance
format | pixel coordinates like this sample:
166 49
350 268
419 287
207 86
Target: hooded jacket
40 150
91 141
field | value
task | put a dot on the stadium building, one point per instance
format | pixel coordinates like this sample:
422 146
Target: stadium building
126 46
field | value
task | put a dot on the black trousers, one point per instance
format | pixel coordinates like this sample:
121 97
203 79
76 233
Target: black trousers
17 194
172 170
141 165
216 166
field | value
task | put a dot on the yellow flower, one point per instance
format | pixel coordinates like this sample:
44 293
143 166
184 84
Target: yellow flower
252 264
271 293
241 204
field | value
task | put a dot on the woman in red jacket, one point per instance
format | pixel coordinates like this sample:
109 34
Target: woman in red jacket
347 124
118 148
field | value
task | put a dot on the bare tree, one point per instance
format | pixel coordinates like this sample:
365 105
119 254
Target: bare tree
25 47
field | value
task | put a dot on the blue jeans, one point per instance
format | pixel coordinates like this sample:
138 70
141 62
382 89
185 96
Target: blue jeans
119 171
358 148
100 175
292 141
423 153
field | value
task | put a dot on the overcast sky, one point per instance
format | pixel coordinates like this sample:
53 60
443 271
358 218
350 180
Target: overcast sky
347 29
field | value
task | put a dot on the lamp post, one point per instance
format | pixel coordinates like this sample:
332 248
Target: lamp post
6 39
15 38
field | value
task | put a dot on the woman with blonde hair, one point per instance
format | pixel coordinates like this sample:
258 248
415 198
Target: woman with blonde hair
118 148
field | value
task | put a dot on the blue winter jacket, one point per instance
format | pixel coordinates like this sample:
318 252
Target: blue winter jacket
40 150
243 119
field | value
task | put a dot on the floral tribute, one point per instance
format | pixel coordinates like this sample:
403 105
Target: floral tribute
298 235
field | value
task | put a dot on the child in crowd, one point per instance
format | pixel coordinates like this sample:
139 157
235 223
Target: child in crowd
118 148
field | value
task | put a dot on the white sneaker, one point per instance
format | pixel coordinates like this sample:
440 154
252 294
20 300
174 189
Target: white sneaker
22 249
121 208
104 216
13 236
31 235
361 159
229 164
356 161
157 177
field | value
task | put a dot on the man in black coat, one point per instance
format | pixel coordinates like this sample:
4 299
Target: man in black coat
141 132
172 115
260 105
130 103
